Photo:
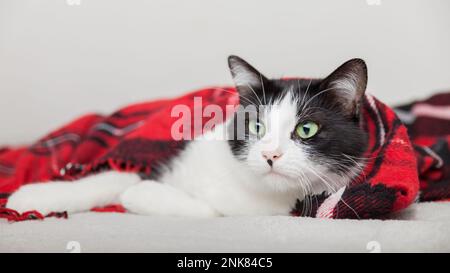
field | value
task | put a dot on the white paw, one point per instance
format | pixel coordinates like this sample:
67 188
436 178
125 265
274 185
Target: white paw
76 196
33 197
154 198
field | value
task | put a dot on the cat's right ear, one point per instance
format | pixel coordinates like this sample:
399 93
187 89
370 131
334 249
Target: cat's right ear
347 85
249 81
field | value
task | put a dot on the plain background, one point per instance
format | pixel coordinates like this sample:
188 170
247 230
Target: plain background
63 58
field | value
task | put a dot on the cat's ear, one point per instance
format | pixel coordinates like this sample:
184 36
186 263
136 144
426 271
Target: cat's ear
247 79
347 85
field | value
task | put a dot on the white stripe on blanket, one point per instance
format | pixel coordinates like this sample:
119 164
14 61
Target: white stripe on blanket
432 111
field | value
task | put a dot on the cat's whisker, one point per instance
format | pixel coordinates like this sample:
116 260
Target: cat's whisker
351 172
358 161
299 87
329 187
364 158
306 93
305 187
358 165
256 95
263 89
308 192
319 93
304 192
334 191
308 112
302 188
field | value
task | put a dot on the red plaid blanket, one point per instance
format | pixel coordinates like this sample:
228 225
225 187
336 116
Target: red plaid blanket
138 137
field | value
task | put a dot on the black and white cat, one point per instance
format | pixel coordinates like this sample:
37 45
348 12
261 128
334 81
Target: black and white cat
307 139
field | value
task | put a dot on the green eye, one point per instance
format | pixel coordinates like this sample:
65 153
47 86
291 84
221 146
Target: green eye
256 128
307 130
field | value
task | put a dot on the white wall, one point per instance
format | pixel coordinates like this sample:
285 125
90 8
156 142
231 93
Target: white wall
58 61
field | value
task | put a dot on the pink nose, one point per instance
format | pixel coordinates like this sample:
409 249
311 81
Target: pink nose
271 155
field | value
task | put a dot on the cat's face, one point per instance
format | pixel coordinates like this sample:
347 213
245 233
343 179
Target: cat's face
300 134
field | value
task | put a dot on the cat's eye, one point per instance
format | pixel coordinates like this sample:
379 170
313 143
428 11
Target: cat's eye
307 129
256 128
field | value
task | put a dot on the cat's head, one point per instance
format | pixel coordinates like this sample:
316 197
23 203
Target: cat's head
307 133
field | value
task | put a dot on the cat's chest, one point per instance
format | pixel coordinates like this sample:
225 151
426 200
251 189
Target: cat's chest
207 170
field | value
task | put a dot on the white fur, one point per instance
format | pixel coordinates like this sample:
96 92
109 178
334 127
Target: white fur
95 190
204 180
154 198
208 171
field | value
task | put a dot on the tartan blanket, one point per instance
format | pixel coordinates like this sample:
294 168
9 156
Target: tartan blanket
400 169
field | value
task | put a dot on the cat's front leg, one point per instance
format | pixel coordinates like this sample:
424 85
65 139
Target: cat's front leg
154 198
72 196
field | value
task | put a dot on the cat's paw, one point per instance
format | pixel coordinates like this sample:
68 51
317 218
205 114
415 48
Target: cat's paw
34 197
77 196
154 198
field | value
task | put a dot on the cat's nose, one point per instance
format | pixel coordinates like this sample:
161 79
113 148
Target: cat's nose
271 156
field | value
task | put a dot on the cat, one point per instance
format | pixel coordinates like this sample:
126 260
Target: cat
306 139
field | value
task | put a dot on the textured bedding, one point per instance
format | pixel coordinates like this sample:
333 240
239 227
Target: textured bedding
138 138
423 227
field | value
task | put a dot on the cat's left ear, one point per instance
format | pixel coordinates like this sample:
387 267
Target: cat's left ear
347 85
